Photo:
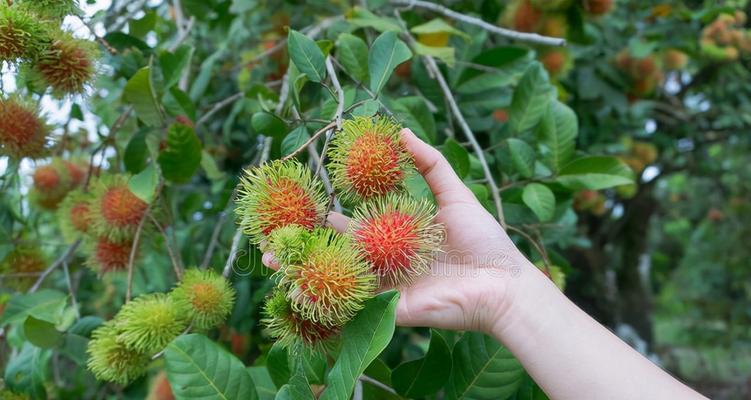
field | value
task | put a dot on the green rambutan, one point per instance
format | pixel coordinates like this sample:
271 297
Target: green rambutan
290 328
25 260
68 65
398 236
73 215
277 194
107 256
23 133
109 360
52 9
115 211
368 158
288 243
332 281
206 297
149 322
22 35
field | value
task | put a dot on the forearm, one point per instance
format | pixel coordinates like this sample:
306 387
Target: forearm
569 354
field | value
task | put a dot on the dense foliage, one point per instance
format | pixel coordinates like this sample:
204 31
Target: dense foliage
617 159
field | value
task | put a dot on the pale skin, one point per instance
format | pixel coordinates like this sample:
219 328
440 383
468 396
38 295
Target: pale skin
482 282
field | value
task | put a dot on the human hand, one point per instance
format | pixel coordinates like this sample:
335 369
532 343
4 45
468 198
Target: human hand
467 286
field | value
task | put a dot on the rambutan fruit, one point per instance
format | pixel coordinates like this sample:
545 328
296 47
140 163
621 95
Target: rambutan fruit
68 65
22 132
159 388
398 236
289 243
110 360
277 194
115 211
674 59
368 158
22 35
52 182
331 283
522 16
557 62
73 215
26 261
555 25
290 328
149 322
52 9
551 5
205 297
598 7
108 256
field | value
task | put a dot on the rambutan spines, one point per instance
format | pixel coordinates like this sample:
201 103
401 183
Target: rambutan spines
332 281
115 211
398 236
52 182
73 215
52 9
369 158
290 328
68 65
107 256
205 297
22 35
110 360
23 133
25 261
277 194
149 322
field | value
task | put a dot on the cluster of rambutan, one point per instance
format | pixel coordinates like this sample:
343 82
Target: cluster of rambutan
121 349
324 276
549 18
725 38
31 39
54 181
645 73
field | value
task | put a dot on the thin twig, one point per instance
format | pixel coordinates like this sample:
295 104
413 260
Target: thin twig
324 176
176 264
508 33
98 38
132 256
376 383
72 292
438 76
338 90
215 234
60 260
218 107
310 140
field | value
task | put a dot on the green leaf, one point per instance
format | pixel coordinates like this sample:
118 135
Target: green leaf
352 53
387 53
181 158
362 18
483 369
295 139
139 92
74 346
457 156
46 305
425 376
208 163
367 109
297 389
144 184
557 135
198 368
173 64
278 364
26 371
136 152
306 55
140 27
264 385
414 112
270 125
41 333
595 173
540 199
530 100
182 100
363 339
445 54
522 157
438 25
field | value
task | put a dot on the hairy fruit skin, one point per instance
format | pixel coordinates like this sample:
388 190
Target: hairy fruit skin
369 158
115 211
149 322
53 182
109 360
52 9
205 297
278 194
22 132
73 215
398 236
23 259
106 256
598 7
22 36
68 65
522 16
557 62
331 282
290 328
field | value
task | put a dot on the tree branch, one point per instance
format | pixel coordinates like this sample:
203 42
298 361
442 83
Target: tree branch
310 141
176 265
60 260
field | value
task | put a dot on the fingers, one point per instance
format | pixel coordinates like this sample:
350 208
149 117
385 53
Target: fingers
443 181
269 261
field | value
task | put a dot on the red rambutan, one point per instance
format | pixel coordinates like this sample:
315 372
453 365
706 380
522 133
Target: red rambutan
522 16
108 256
368 158
398 236
52 182
278 194
22 132
68 65
115 211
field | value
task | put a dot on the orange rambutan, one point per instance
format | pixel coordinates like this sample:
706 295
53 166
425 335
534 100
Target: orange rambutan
290 328
368 158
278 194
107 256
330 282
26 261
598 7
115 211
68 65
52 182
73 215
22 132
557 62
522 16
398 236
